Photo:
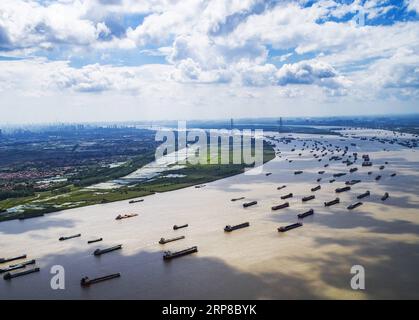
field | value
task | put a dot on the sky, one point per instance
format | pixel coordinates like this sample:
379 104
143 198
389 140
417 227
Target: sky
119 60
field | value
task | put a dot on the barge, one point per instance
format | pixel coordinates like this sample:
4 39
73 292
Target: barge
70 237
363 195
298 172
4 260
9 275
175 227
85 281
281 206
99 252
343 189
332 202
135 201
125 216
354 205
237 199
290 227
94 240
281 187
308 198
305 214
17 266
385 196
229 228
316 188
289 195
168 255
163 240
248 204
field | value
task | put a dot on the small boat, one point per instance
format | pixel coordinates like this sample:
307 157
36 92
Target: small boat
298 172
200 186
17 266
69 237
290 227
393 175
268 173
332 202
308 198
85 281
248 204
170 255
354 205
369 173
367 164
353 170
237 199
305 214
94 240
281 187
363 195
281 206
4 260
289 195
175 227
9 275
381 167
385 196
125 216
377 177
343 189
321 172
326 165
99 252
163 240
316 188
135 201
229 228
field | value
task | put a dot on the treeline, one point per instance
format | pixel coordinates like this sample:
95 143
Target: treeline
16 194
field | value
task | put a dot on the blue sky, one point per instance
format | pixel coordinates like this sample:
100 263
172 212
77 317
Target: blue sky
98 60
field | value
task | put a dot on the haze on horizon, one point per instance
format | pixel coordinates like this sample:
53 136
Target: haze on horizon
122 60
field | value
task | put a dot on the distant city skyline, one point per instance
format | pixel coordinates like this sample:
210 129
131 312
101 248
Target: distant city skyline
127 60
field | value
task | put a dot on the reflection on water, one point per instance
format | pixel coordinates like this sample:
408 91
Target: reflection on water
252 263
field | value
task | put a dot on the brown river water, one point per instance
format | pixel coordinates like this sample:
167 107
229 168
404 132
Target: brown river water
257 262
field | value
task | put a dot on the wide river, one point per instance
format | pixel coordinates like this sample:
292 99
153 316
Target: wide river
258 262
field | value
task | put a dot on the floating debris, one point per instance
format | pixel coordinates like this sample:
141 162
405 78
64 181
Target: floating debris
17 266
308 198
170 255
9 275
85 281
229 228
363 195
355 205
70 237
332 202
163 240
289 195
305 214
4 260
95 240
248 204
281 206
343 189
99 252
175 227
126 216
290 227
316 188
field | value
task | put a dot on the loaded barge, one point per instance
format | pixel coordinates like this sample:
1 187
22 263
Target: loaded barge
17 266
175 227
248 204
229 228
363 195
163 240
99 252
95 240
316 188
9 275
289 195
308 198
85 281
290 227
354 205
343 189
4 260
171 255
305 214
70 237
281 206
332 202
